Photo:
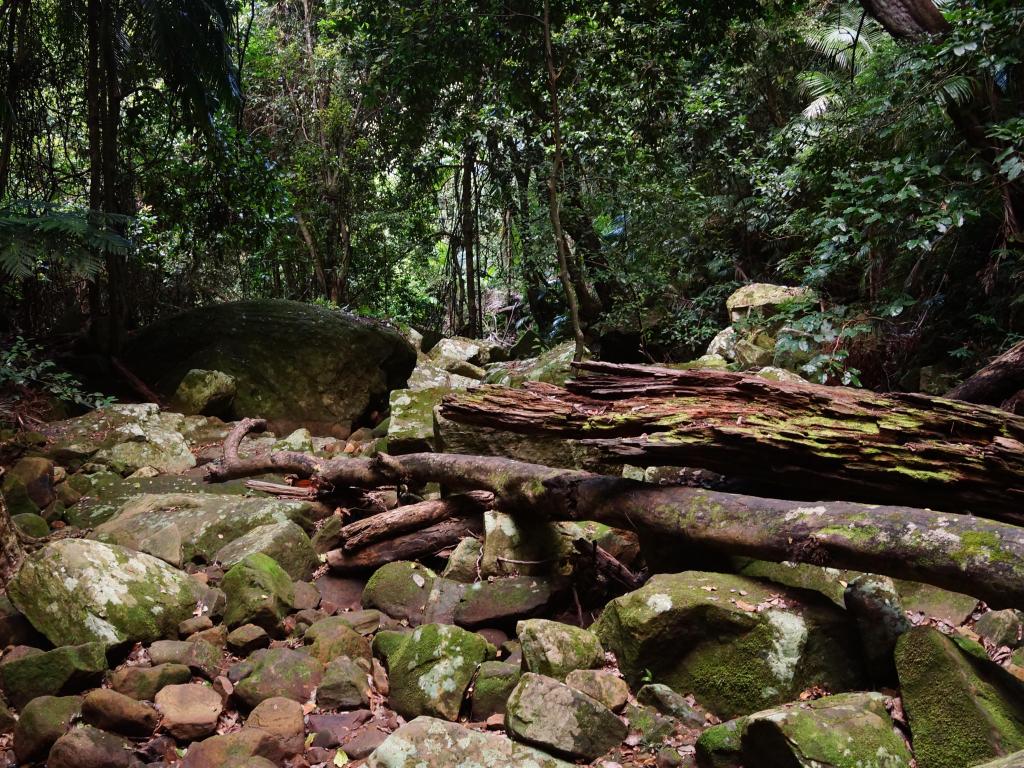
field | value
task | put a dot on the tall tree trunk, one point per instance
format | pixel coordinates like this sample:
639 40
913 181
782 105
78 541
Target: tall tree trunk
15 26
907 19
94 118
117 288
468 218
554 184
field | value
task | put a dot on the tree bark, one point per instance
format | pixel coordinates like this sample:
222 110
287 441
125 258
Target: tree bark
468 217
907 19
982 558
386 525
409 546
797 439
997 382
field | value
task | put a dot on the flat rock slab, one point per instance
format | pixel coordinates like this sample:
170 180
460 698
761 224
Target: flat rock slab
430 743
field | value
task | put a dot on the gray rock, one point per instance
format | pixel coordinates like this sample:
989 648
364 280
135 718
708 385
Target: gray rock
668 702
345 685
551 715
400 590
555 649
258 591
285 542
430 743
88 747
763 299
411 428
279 672
600 685
875 605
495 681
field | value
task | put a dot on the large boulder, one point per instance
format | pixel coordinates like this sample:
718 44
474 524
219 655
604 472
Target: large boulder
291 361
763 298
430 669
555 649
851 730
79 591
125 437
193 527
67 669
963 710
733 643
552 715
285 542
28 486
279 672
430 743
207 393
258 592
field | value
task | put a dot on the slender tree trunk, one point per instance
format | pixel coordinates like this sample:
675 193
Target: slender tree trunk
469 239
554 182
94 118
15 30
117 288
11 551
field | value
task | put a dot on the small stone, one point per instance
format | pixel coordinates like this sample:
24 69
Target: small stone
28 486
143 683
554 649
198 655
306 595
605 687
1001 627
31 524
195 624
333 637
247 748
248 638
42 722
340 593
279 672
216 636
113 711
345 685
670 703
283 719
495 681
552 715
190 711
648 724
89 747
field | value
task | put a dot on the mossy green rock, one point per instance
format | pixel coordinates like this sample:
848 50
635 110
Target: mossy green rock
285 542
124 437
42 722
963 710
411 428
427 742
831 582
1016 760
78 591
290 360
279 672
1001 627
431 669
463 560
602 685
763 298
143 683
553 716
259 592
499 602
345 685
333 637
400 589
850 730
68 669
494 682
209 393
28 486
31 524
555 649
953 608
537 545
701 633
194 527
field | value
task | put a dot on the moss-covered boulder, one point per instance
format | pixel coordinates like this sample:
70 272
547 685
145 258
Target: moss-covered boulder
831 582
553 716
732 642
206 393
462 562
291 674
345 685
851 730
763 299
78 591
193 527
31 524
400 589
285 542
600 684
124 437
68 669
962 709
954 608
427 742
555 649
143 683
291 360
333 637
494 682
430 669
259 592
1004 627
411 427
42 722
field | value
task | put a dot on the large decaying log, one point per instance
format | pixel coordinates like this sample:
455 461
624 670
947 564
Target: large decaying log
797 439
983 558
408 546
412 517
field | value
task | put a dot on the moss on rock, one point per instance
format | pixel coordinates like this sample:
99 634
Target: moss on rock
258 591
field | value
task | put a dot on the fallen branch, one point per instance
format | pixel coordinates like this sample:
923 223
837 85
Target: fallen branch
278 489
790 438
998 383
412 517
983 558
409 546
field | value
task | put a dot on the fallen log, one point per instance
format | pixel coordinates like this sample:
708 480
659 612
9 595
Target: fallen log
983 558
409 546
795 439
1001 382
412 517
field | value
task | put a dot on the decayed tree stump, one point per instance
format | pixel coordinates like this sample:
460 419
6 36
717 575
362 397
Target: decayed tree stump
800 440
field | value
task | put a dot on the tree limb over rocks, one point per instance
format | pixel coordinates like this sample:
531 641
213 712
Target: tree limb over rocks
981 557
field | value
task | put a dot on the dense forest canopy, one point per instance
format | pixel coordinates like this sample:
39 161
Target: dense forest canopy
479 167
